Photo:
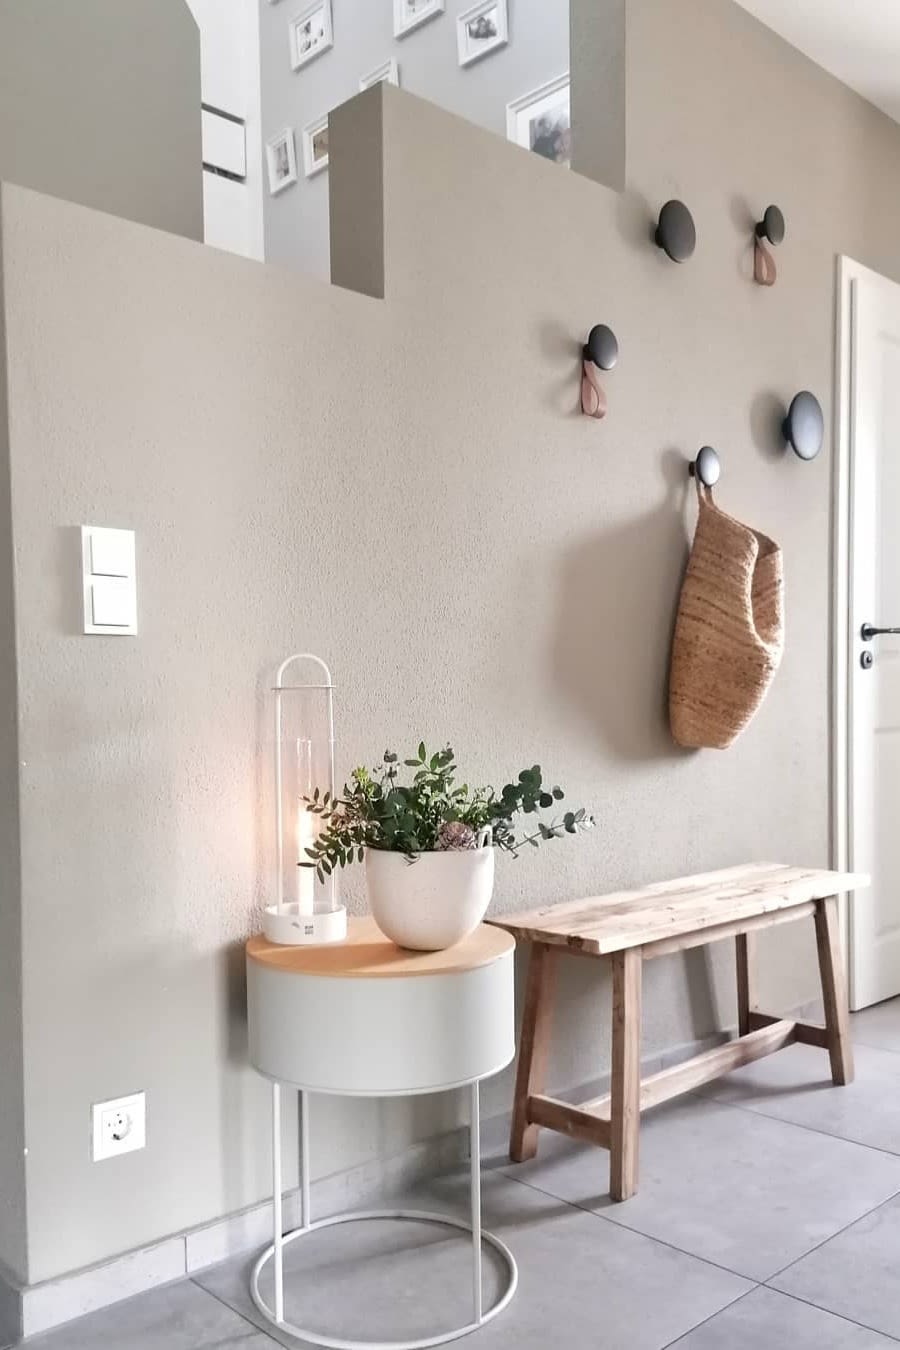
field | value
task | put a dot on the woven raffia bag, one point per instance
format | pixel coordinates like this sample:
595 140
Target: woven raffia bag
729 635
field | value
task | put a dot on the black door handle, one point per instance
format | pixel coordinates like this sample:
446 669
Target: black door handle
869 631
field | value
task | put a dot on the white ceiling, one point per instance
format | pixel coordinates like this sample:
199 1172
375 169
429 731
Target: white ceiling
856 40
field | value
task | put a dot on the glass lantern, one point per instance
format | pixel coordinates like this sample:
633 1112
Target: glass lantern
307 909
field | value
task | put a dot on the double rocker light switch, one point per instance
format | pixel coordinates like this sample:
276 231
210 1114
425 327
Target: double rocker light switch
108 573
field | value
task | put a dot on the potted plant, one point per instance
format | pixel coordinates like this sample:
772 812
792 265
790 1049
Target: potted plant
429 844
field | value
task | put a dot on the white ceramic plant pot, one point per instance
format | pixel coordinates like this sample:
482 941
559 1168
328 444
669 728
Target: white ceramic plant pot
431 903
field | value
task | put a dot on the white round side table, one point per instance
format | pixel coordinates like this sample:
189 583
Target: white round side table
366 1018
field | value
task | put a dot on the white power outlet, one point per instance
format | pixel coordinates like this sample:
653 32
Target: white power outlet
119 1126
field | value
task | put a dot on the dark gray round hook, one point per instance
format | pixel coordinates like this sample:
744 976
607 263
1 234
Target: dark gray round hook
707 467
602 347
804 426
771 226
676 233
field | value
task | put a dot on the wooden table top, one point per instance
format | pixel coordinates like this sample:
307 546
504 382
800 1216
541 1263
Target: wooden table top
368 954
604 924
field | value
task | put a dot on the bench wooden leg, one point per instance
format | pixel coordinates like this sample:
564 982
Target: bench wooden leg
746 994
625 1087
834 992
534 1046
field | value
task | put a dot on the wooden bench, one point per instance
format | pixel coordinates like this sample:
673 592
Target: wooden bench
631 927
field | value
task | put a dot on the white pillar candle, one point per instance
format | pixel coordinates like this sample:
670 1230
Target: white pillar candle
306 876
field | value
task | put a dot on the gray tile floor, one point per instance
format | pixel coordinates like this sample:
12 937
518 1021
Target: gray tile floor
768 1219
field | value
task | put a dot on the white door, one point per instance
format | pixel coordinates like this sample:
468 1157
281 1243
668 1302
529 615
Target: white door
873 682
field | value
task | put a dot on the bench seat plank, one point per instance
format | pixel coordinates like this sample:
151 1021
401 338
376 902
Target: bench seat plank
601 925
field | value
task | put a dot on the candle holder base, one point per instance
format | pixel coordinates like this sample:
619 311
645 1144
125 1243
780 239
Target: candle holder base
286 926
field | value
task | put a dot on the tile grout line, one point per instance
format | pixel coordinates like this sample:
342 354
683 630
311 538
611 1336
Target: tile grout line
621 1227
808 1303
869 1045
874 1210
825 1134
221 1301
712 1317
699 1097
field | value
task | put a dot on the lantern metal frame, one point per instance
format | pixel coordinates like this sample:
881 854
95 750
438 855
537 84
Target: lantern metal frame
285 923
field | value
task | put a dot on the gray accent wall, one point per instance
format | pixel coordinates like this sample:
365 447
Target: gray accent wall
597 41
100 104
296 221
406 486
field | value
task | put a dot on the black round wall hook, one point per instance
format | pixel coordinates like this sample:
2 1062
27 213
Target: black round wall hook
707 467
676 233
771 226
602 347
804 426
600 352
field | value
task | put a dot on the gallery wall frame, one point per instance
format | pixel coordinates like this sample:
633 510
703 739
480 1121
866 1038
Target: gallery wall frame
281 161
481 30
387 73
315 147
310 33
411 14
541 120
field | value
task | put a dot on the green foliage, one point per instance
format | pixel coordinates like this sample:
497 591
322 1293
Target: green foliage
376 810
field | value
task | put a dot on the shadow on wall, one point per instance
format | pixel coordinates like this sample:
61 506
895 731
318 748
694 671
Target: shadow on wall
767 414
618 599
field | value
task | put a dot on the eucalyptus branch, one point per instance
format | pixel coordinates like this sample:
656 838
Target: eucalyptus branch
431 813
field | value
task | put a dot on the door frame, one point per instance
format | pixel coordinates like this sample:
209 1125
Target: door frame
843 640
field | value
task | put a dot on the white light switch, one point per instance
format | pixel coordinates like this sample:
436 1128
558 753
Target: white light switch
112 553
108 577
112 602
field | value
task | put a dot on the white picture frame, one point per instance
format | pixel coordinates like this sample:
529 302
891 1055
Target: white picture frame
481 30
281 161
387 73
411 14
314 161
548 105
310 33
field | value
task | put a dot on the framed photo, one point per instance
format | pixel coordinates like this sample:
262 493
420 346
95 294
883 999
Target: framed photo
389 73
311 33
281 161
315 147
481 30
409 14
540 121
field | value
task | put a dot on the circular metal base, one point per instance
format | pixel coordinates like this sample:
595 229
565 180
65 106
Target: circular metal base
423 1216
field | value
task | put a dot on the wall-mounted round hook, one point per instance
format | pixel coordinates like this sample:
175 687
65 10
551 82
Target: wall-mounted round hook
600 352
804 426
707 467
771 228
676 233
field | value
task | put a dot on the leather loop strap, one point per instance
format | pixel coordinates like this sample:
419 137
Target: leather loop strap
593 397
765 273
704 493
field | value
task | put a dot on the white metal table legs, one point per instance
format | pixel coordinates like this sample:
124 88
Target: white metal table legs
280 1240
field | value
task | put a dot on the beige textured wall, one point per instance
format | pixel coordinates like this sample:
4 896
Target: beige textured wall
13 1256
407 487
100 104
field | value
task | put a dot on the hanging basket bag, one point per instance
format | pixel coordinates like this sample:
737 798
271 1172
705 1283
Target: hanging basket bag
729 635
